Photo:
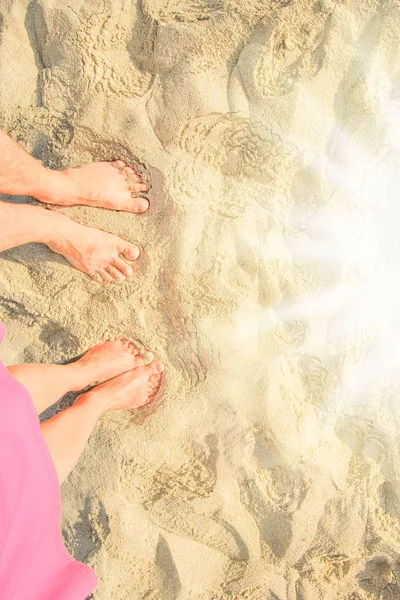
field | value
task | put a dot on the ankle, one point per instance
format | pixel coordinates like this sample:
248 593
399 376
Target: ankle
53 187
80 375
96 402
60 238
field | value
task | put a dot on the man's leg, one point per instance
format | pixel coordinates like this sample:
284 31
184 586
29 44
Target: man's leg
67 433
95 252
111 185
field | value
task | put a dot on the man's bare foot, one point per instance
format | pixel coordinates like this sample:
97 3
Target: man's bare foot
113 185
132 389
95 252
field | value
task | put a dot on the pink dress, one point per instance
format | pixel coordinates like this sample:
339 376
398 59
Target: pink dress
34 563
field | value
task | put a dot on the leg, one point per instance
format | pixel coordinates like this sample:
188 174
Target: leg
66 434
109 185
53 379
48 383
92 251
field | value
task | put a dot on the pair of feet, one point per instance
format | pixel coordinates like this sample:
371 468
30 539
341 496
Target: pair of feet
116 368
127 384
113 185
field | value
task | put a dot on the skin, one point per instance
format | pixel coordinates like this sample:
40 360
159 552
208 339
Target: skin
126 385
112 185
101 255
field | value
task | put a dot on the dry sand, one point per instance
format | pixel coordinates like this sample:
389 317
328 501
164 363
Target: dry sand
270 467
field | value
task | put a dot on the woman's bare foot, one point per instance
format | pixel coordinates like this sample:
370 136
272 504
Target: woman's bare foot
113 185
132 389
47 383
106 360
95 252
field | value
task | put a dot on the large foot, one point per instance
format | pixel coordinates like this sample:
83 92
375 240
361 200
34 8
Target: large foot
132 389
111 185
95 252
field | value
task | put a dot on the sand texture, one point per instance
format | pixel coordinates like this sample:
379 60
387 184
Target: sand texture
270 130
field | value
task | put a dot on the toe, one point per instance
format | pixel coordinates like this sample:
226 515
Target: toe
152 368
130 251
96 277
155 368
130 346
140 360
116 273
119 164
106 275
134 177
139 204
155 381
155 388
139 187
127 171
125 269
134 349
134 204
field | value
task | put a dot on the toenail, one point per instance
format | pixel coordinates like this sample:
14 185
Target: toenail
143 204
133 254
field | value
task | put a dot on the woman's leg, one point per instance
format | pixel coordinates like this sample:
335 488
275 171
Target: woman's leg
48 383
66 434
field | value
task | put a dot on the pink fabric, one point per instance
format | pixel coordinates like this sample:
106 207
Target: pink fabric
34 563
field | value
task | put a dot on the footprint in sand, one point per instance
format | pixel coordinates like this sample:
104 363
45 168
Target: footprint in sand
380 578
374 459
272 496
171 498
96 57
85 537
280 53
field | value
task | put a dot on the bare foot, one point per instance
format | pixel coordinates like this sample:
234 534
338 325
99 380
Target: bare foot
48 383
111 185
93 251
132 389
106 360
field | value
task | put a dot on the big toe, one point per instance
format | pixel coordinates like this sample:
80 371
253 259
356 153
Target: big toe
130 251
154 368
138 204
134 204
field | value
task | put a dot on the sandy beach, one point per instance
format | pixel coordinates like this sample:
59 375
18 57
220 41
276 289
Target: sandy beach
269 468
